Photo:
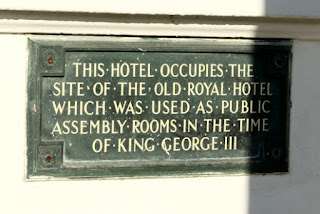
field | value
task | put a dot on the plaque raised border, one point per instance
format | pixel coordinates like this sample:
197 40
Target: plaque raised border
45 159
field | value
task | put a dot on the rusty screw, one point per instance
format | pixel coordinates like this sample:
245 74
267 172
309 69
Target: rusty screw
50 59
48 158
279 62
276 153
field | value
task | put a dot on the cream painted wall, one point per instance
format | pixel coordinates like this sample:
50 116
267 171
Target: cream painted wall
295 193
260 8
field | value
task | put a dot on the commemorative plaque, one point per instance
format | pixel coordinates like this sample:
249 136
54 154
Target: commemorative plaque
125 107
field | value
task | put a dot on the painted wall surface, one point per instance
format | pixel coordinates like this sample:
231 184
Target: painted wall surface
261 8
295 193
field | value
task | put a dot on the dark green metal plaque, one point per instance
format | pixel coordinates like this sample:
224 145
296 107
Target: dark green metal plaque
125 107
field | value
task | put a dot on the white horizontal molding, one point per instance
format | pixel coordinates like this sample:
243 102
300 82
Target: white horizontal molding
158 25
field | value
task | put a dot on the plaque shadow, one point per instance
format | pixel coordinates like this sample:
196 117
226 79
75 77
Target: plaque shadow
273 193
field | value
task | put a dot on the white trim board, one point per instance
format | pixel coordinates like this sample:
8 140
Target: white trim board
31 22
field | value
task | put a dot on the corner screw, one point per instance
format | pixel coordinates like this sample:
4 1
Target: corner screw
48 158
276 152
279 62
50 59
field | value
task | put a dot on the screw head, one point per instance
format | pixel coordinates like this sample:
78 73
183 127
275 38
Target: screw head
279 62
50 59
48 158
276 153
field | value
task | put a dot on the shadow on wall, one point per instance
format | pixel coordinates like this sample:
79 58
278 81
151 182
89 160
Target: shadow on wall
298 191
305 8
